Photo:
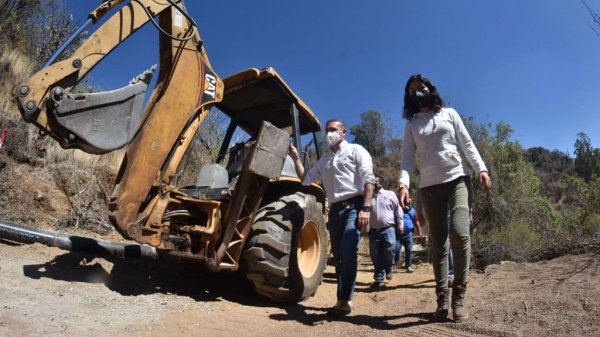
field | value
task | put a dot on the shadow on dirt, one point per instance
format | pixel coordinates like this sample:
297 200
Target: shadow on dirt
312 316
427 284
134 277
586 263
329 278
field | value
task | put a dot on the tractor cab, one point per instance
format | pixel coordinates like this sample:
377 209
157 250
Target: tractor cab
252 97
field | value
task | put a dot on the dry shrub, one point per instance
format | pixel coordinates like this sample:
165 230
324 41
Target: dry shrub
569 247
15 69
23 143
515 241
86 188
87 181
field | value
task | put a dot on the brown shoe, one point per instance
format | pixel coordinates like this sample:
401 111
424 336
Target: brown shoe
443 304
460 311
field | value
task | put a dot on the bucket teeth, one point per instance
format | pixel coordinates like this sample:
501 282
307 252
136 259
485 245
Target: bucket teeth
146 76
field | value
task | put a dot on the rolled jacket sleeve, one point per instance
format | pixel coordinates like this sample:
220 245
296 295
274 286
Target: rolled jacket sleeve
365 166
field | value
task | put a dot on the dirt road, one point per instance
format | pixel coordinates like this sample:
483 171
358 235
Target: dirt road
49 292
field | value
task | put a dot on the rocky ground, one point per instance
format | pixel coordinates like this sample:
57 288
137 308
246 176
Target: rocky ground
50 292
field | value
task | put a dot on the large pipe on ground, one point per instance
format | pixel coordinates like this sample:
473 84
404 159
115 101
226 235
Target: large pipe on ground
24 234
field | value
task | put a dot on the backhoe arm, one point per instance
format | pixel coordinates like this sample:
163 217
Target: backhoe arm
101 122
46 101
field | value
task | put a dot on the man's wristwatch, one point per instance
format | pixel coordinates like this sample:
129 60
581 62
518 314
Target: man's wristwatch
366 208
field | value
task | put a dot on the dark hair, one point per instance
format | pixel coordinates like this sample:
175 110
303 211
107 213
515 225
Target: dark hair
335 120
410 109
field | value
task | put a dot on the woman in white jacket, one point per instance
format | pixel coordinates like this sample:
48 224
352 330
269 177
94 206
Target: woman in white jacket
439 136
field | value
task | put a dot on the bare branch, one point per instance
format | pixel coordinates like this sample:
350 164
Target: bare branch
595 17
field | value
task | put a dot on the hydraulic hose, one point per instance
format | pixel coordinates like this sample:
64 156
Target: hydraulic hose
24 234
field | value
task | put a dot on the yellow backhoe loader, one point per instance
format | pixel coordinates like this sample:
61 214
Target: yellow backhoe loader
248 207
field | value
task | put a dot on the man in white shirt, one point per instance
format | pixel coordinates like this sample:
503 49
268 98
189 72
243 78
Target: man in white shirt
346 172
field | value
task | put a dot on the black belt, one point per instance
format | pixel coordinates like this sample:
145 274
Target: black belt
379 229
352 201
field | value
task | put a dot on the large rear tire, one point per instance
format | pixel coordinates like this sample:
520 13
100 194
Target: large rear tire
286 250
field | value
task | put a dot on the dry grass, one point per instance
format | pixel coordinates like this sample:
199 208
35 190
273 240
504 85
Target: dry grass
81 160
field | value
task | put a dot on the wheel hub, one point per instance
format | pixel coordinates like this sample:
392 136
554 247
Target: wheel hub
309 249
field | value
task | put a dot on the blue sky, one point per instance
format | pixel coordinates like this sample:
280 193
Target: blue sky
530 63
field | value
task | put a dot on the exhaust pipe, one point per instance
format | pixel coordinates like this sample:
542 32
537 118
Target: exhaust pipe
24 234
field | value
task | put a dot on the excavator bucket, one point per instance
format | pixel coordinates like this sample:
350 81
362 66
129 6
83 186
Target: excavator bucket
100 122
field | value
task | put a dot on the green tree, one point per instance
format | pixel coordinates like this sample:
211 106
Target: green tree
374 133
585 223
587 159
551 167
35 28
371 132
511 221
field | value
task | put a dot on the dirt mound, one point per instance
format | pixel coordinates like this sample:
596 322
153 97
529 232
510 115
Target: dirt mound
28 197
559 297
58 195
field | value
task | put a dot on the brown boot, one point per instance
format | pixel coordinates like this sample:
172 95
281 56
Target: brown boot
460 311
443 304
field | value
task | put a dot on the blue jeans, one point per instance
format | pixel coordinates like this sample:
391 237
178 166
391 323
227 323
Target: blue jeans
345 235
381 247
405 241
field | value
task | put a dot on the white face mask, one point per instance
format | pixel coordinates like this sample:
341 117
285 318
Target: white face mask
333 138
